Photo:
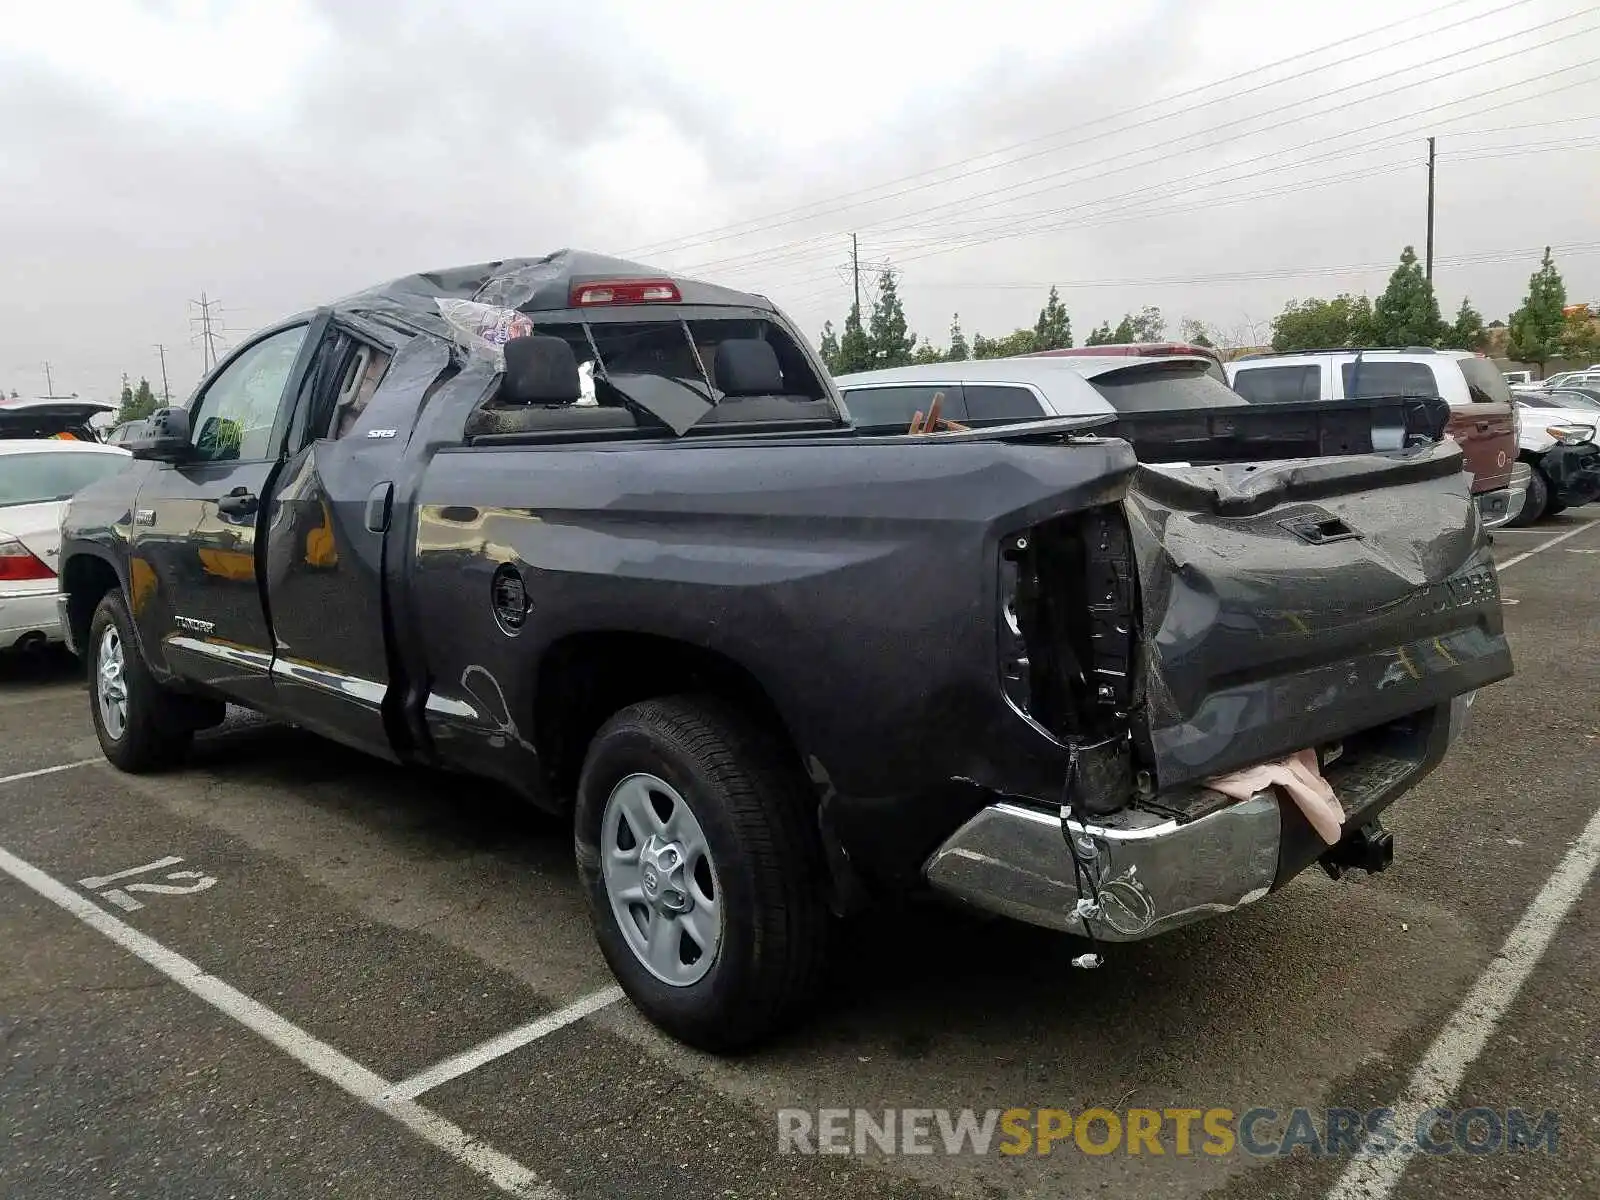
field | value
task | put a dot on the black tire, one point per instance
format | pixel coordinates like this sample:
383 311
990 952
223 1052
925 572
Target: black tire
1552 509
755 808
159 724
1535 505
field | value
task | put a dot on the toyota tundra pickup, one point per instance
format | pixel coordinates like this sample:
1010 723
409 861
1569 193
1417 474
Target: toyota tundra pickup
612 539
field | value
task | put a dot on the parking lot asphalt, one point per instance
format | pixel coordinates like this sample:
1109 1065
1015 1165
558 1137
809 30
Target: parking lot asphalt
402 918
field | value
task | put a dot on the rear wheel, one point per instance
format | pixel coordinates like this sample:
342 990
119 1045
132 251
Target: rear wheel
1537 501
141 725
703 870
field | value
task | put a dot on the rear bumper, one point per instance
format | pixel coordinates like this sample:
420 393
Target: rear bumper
1503 504
29 617
1154 871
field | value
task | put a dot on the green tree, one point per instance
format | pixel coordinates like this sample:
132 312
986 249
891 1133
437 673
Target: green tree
1053 330
1537 327
1148 326
829 347
1018 341
1125 332
855 351
958 341
1580 338
1100 335
1407 314
1194 332
927 352
890 344
1467 331
139 405
126 401
1315 324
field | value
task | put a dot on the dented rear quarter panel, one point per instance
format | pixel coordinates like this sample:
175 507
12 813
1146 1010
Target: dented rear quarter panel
853 578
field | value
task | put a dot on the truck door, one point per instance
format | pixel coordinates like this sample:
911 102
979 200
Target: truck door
327 517
192 548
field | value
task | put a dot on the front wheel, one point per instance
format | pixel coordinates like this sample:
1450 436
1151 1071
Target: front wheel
1535 503
140 725
703 870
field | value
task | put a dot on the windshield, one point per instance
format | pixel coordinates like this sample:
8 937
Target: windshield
1166 387
41 478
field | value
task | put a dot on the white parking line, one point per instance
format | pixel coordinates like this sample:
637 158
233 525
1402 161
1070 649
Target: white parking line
1555 541
504 1172
82 762
1467 1032
496 1047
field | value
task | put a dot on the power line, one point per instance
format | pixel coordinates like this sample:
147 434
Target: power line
1010 225
803 212
1259 165
1187 146
1572 249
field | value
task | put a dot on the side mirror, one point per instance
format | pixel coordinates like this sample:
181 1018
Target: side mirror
165 437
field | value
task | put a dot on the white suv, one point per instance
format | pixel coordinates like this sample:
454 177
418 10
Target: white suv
1482 417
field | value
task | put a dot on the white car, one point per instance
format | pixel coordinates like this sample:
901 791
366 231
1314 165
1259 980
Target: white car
1556 435
37 478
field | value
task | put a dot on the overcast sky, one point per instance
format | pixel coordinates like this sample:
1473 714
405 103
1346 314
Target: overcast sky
273 155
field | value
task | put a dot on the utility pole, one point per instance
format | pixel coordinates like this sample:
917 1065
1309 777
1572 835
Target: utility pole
1428 269
49 386
166 392
208 336
855 269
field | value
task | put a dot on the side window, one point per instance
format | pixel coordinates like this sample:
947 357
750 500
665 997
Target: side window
1484 384
1376 379
360 381
897 405
236 414
1000 402
1278 385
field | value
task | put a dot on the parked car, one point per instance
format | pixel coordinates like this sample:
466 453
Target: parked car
1482 419
773 662
51 418
1556 437
1585 378
1141 350
36 480
1513 378
126 432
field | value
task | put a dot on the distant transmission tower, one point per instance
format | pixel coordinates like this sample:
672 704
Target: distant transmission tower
208 327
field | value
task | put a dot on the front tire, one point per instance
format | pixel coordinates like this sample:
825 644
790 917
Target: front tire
141 726
703 870
1537 501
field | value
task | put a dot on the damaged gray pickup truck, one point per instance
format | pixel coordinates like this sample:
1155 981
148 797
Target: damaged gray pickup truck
611 538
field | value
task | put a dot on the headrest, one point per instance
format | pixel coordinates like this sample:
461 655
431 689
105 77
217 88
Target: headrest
539 370
747 367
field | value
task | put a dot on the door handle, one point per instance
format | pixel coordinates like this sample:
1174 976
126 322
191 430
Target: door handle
1484 426
240 502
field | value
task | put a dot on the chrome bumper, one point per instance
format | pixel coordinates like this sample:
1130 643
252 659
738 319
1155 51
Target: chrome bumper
1152 872
1502 505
